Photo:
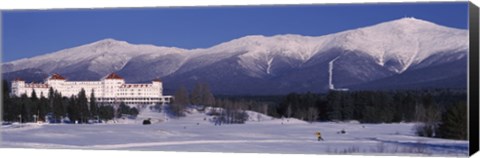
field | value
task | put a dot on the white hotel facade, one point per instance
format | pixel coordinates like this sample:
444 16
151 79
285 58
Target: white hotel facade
111 89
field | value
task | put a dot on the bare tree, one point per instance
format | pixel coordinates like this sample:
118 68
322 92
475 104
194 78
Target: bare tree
201 95
312 114
180 101
289 111
210 99
196 96
428 118
265 109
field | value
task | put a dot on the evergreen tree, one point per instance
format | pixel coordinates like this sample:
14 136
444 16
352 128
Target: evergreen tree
33 96
51 98
106 113
408 107
455 122
93 106
83 106
383 105
7 108
5 88
42 108
398 107
369 115
334 104
73 109
133 111
321 105
26 110
127 110
347 108
57 106
34 105
122 109
14 110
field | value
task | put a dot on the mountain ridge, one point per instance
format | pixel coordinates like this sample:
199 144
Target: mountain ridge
386 49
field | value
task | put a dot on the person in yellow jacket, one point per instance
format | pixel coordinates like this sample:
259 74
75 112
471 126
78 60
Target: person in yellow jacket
319 135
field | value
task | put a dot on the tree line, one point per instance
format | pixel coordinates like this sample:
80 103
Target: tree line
439 113
57 108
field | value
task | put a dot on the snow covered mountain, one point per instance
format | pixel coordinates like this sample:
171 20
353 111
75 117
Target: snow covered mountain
90 61
278 64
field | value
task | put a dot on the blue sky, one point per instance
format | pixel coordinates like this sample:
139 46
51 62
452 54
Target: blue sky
34 32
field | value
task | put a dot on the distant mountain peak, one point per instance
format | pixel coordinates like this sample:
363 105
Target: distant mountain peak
411 19
410 24
108 42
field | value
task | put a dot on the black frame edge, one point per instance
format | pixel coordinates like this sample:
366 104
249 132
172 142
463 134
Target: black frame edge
473 78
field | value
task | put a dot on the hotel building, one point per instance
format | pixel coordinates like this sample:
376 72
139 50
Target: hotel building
109 90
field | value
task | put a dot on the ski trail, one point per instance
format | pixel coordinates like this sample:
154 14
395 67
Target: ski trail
269 65
330 73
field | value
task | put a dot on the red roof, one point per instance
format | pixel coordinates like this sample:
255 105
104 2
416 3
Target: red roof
18 79
114 76
157 80
57 77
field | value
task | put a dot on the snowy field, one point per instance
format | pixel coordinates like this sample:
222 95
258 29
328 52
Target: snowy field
261 134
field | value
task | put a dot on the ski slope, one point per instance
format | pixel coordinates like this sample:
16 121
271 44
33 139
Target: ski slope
261 134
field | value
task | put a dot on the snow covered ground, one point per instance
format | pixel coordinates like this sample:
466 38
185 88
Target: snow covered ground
261 134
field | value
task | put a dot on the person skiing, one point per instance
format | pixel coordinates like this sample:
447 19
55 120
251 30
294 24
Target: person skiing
319 136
